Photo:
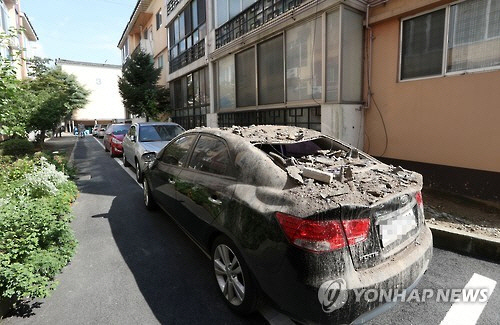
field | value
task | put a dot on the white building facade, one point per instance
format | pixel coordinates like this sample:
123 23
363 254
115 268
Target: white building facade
101 80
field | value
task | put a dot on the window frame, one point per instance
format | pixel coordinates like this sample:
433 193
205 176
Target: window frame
444 62
230 169
161 154
159 19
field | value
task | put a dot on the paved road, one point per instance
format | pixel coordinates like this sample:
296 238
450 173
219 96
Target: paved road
134 266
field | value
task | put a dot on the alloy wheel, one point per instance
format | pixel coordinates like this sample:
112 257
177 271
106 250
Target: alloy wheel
229 275
138 173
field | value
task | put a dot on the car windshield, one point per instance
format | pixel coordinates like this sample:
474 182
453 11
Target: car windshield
149 133
120 129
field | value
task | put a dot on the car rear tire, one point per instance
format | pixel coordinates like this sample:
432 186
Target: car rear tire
149 201
138 172
125 162
237 285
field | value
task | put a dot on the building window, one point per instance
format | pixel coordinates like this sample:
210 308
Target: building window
270 71
306 117
422 48
191 100
472 31
474 35
185 34
4 17
159 61
226 83
228 9
245 78
303 61
332 56
158 19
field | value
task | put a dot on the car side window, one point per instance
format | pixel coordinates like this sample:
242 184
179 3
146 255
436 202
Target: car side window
176 153
210 155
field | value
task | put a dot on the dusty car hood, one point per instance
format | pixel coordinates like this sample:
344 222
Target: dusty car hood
153 146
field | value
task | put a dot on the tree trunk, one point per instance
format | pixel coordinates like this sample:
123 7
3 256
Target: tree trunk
147 117
42 138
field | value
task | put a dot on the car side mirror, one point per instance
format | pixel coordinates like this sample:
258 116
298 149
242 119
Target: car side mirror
132 138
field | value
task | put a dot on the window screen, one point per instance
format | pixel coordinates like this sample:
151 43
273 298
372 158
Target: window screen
474 31
332 56
245 78
210 155
177 152
422 48
271 78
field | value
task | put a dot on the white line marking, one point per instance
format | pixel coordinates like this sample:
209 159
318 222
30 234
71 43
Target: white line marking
467 313
100 143
120 163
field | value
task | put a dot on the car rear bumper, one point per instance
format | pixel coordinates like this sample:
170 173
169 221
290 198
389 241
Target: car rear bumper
296 291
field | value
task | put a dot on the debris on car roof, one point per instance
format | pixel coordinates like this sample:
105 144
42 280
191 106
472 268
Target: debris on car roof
338 176
273 133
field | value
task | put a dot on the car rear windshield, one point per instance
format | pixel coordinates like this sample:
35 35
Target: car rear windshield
301 149
120 129
149 133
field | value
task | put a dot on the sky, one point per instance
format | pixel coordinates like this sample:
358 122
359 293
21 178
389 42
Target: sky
79 30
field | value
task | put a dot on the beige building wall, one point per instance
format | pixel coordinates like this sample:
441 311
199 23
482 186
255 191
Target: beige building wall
446 120
157 42
101 80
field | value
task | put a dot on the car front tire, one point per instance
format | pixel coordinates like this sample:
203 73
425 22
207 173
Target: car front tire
125 162
149 201
138 172
232 275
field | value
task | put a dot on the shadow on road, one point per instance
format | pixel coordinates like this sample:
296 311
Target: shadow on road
171 272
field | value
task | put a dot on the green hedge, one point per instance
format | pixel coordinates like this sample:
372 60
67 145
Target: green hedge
36 240
17 147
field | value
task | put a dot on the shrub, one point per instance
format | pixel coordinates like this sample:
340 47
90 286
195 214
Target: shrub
36 240
17 147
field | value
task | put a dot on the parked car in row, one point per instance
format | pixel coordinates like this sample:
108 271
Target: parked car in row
113 137
102 130
95 129
148 137
294 215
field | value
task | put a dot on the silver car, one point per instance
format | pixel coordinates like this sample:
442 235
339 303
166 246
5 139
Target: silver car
148 137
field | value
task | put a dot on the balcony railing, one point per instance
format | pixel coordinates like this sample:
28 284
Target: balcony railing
254 16
190 55
171 5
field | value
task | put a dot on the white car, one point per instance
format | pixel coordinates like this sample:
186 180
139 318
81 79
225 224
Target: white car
148 137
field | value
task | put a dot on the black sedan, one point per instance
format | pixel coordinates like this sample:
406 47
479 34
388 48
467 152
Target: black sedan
299 217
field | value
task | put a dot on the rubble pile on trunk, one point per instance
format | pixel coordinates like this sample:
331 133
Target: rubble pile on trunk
359 181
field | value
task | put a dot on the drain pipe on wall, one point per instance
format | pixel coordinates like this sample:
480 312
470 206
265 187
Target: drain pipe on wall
370 4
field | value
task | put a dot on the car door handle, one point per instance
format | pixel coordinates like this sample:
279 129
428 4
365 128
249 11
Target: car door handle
214 201
171 181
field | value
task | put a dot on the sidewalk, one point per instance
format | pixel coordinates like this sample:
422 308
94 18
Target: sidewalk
464 225
64 144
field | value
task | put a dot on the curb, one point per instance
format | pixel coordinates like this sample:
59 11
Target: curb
465 243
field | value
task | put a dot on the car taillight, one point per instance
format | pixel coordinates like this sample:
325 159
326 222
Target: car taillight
419 199
356 230
322 236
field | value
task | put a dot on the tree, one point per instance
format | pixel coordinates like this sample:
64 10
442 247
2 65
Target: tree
14 110
138 86
56 95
